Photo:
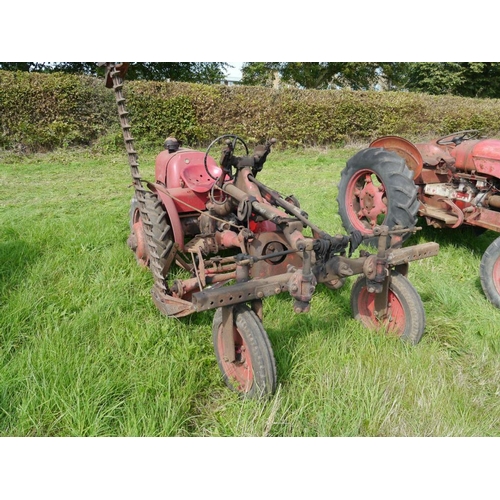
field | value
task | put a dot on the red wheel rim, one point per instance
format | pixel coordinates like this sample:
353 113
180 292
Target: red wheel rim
395 321
136 217
240 372
141 248
496 275
366 200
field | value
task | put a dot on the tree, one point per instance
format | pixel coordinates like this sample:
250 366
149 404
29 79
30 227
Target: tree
23 66
202 72
467 79
393 75
259 73
480 79
312 75
433 78
356 76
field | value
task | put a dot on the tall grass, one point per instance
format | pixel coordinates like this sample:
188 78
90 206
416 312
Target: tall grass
84 352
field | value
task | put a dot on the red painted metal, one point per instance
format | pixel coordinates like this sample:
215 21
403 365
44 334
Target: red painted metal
186 200
141 248
403 148
496 275
395 318
236 241
482 157
240 371
433 154
172 212
459 182
170 169
366 194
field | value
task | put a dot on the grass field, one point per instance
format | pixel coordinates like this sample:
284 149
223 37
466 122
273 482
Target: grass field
84 351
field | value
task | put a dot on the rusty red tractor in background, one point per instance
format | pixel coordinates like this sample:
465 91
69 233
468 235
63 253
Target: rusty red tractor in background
457 181
214 237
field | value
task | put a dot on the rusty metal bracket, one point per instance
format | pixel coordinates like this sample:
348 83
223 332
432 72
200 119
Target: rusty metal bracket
228 334
171 306
382 299
398 256
240 292
258 308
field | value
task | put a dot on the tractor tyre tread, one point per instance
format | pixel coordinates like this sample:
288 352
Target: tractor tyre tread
160 233
489 262
261 352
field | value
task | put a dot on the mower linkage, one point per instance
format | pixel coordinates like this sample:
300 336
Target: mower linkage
241 241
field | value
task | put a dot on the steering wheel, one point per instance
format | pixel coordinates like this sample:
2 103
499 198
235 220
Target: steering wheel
235 139
458 137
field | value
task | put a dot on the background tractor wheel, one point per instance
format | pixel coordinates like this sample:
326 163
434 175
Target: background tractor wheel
376 187
406 315
253 374
489 272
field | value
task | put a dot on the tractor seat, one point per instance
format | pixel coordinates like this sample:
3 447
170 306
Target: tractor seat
197 179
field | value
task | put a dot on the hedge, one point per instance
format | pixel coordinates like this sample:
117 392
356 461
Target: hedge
39 112
42 112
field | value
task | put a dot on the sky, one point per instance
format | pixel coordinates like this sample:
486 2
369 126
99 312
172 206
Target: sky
235 72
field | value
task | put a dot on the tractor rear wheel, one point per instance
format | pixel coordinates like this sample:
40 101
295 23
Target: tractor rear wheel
376 188
489 272
405 312
159 230
253 373
161 234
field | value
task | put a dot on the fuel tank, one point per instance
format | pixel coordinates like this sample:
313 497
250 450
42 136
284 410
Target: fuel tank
481 156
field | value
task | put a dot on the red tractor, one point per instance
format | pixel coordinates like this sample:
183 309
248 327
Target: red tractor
214 237
457 181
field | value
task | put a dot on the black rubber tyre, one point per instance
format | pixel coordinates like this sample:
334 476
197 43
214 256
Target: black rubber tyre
406 315
489 272
253 374
162 235
160 229
376 188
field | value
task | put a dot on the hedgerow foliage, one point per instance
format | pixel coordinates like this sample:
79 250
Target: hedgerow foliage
41 112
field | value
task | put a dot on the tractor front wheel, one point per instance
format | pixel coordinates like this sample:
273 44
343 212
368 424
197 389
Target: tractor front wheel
489 272
376 188
253 372
405 316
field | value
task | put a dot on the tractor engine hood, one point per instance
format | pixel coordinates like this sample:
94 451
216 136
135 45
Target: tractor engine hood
481 156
